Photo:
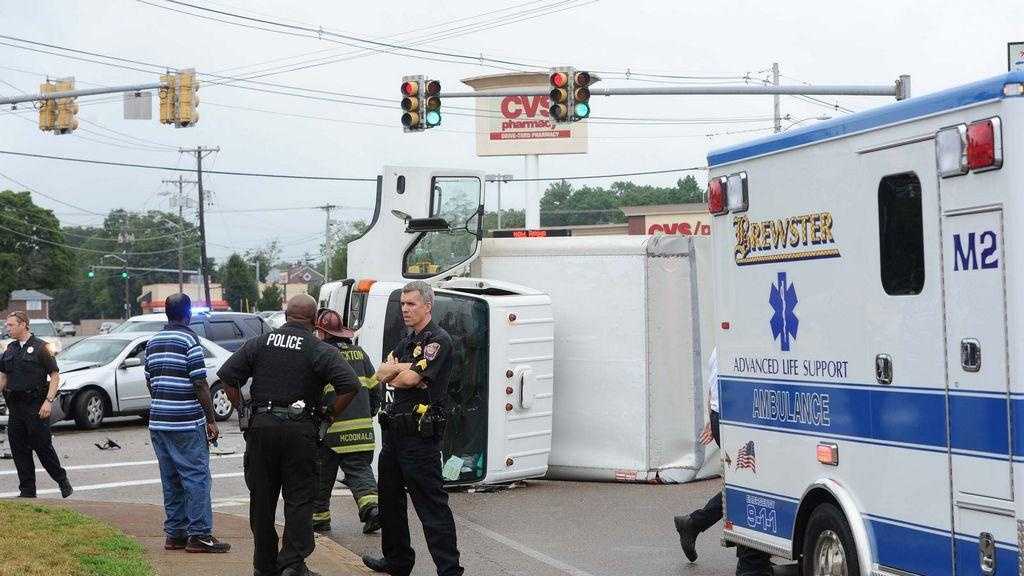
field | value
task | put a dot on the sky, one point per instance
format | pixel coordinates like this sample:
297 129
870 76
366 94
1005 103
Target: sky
939 43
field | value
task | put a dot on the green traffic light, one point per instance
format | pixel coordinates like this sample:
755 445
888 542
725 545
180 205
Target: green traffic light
433 118
582 110
124 275
91 274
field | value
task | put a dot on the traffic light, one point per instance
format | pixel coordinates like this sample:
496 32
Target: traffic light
581 95
413 106
187 96
91 273
124 274
67 108
433 103
561 94
167 97
47 108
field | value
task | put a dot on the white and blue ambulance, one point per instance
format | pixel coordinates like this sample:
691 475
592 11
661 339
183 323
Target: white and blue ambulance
870 333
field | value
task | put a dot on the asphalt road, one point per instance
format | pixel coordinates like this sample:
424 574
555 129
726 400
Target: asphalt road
542 528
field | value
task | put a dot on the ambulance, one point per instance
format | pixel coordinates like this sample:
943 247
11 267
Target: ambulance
869 335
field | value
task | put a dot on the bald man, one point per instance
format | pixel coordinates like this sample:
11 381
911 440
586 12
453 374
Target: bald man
289 368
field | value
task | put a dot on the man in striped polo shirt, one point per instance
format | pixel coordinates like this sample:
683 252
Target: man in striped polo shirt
181 422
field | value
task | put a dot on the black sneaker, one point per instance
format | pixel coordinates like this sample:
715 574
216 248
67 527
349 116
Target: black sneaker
26 495
376 564
65 488
206 544
175 542
687 537
302 570
372 523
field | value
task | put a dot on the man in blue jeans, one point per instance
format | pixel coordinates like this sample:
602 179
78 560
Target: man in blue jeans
181 422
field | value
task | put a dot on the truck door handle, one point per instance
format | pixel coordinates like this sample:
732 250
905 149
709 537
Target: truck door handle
883 369
987 553
970 355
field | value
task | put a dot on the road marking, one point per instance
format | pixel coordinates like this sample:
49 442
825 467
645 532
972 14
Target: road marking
243 499
110 485
524 549
213 458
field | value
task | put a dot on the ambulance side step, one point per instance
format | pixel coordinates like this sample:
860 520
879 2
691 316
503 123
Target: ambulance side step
731 538
886 571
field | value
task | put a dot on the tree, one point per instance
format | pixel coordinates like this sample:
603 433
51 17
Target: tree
346 232
271 298
510 218
565 205
32 246
147 240
266 256
239 282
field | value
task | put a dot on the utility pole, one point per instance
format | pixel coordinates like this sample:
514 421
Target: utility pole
499 178
327 239
204 271
776 98
181 202
124 238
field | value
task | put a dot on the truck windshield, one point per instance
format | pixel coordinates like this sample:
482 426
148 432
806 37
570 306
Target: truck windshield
456 199
465 320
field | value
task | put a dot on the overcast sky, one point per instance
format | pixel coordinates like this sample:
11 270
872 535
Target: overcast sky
940 44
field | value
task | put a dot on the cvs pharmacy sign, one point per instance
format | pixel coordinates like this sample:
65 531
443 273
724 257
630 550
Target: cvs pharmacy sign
526 118
680 228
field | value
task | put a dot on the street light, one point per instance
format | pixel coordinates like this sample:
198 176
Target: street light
124 275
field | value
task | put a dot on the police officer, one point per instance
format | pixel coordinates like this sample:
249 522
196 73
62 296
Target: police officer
24 368
416 377
349 440
289 368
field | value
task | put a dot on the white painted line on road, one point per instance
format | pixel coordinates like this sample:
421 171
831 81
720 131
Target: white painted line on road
213 458
243 500
111 485
524 549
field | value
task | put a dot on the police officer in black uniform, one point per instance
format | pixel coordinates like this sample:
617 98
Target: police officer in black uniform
24 368
289 368
416 377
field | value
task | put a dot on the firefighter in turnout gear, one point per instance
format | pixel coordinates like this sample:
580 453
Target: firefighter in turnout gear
349 440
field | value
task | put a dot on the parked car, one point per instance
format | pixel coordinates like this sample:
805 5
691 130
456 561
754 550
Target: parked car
275 318
42 328
66 328
103 376
228 329
108 326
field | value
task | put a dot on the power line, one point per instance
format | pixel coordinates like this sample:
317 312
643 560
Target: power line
89 250
176 169
598 176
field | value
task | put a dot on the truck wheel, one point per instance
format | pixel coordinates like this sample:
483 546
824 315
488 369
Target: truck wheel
222 407
828 545
90 408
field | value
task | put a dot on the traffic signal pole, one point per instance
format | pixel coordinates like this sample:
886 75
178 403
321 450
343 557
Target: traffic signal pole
77 93
899 90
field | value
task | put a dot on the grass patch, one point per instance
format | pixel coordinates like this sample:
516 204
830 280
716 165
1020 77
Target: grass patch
41 541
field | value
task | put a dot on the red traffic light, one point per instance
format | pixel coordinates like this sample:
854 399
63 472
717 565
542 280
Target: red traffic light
410 88
433 88
559 79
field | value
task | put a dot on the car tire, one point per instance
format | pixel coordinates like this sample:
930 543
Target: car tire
90 408
222 408
828 544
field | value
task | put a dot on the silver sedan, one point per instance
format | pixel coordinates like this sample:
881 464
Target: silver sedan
103 376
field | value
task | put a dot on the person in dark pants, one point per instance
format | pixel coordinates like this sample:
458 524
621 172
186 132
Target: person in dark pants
348 441
289 368
24 368
416 377
749 562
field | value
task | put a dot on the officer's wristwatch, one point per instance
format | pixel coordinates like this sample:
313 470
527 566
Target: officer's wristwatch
50 400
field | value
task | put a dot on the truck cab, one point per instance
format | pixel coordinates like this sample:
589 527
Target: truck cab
427 226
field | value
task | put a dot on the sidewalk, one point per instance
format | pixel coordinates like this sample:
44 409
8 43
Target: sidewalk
144 522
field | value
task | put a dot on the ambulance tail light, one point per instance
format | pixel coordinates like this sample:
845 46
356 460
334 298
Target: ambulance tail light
984 145
736 192
951 150
717 196
364 285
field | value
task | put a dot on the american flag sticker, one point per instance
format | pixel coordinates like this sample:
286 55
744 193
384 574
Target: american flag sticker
745 457
705 436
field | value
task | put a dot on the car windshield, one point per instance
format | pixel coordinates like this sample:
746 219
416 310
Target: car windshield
42 329
94 351
141 326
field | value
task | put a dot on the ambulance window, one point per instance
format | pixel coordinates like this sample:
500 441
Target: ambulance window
901 234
